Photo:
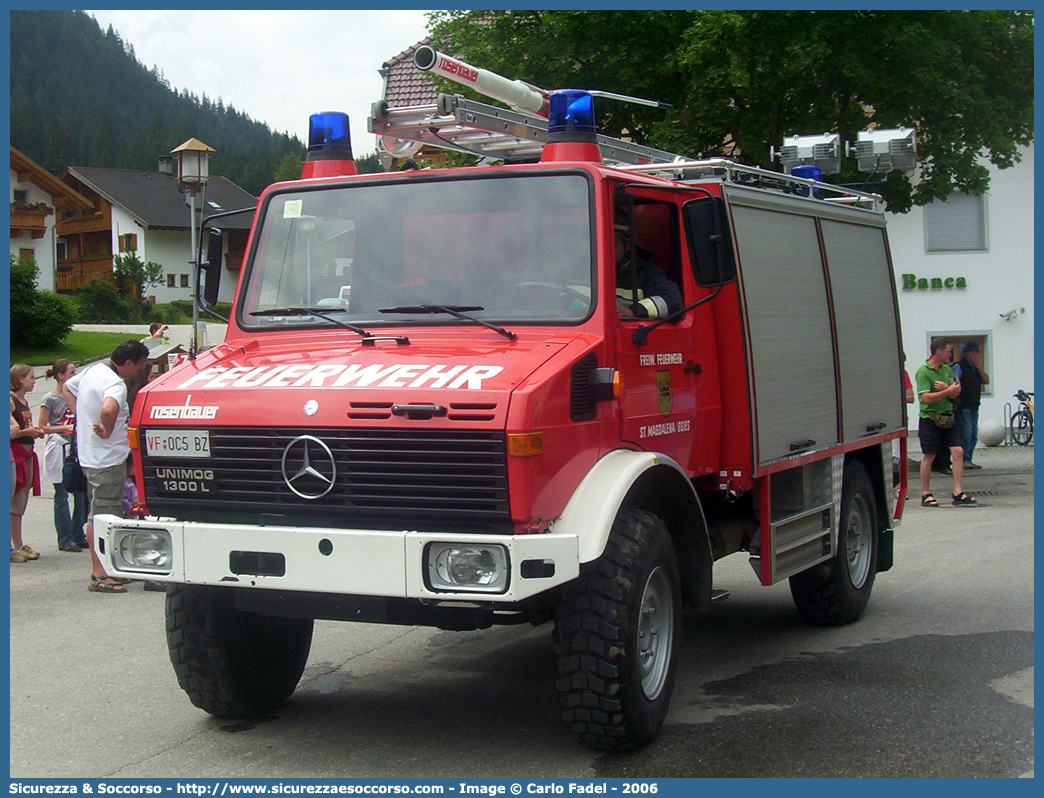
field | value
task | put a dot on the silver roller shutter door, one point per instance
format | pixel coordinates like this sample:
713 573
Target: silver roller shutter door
868 352
788 321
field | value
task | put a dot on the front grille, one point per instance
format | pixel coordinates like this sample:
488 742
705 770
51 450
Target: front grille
380 474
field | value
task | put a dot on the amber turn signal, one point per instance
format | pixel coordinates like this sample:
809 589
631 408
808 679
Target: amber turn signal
525 444
132 437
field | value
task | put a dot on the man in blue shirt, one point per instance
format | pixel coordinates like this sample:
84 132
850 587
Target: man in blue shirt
973 377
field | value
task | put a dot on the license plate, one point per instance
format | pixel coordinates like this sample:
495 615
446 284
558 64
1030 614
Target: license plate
178 443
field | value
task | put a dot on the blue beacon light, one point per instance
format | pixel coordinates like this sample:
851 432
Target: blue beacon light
329 146
571 111
808 172
571 134
329 131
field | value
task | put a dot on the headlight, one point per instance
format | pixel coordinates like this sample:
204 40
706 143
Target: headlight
143 550
466 568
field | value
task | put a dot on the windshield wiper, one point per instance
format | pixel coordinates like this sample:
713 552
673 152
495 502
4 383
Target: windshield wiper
460 311
320 312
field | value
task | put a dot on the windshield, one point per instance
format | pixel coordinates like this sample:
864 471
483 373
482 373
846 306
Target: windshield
513 249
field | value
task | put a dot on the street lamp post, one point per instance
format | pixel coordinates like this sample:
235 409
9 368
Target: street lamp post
193 173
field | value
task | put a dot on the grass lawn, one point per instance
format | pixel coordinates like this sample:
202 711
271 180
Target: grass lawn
78 346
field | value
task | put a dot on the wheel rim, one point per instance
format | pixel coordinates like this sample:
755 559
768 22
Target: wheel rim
655 632
858 541
1022 428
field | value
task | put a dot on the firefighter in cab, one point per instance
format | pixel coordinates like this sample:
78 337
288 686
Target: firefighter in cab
657 295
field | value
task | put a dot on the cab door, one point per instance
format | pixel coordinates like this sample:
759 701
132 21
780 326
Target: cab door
659 376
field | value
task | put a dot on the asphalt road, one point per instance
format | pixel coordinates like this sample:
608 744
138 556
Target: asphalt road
935 680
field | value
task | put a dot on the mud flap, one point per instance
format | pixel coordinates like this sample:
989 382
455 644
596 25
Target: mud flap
885 540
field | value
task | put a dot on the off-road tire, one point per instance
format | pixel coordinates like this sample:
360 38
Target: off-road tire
603 692
233 664
836 592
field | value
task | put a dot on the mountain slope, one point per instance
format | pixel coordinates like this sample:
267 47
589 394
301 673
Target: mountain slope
79 96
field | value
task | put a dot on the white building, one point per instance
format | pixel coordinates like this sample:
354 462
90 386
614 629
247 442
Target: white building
145 213
37 197
964 270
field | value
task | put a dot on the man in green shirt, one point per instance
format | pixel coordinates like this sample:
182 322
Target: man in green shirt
937 387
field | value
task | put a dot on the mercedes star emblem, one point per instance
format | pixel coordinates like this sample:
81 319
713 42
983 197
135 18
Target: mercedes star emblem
311 407
309 468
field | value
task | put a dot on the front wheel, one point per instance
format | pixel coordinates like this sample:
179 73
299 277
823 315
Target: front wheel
616 637
836 592
1022 427
233 664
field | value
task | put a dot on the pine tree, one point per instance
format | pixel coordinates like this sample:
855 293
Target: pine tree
80 97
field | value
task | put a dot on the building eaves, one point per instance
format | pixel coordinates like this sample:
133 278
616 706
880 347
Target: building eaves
65 196
158 202
407 54
404 83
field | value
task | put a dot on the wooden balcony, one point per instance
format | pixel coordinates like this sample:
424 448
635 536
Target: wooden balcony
86 222
28 221
74 273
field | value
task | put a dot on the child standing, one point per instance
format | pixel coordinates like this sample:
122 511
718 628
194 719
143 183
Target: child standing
26 468
57 421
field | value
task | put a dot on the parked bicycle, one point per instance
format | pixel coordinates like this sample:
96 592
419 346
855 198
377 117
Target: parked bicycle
1022 419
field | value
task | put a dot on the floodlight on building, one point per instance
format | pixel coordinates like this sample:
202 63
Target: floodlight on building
882 151
823 152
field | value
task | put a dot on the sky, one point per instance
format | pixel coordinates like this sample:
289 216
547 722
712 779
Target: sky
277 66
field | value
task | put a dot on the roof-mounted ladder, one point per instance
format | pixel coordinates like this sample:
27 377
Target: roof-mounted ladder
456 123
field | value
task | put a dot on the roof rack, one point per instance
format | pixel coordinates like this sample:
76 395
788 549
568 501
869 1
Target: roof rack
457 123
454 122
692 171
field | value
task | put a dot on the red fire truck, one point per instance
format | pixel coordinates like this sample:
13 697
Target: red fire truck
428 409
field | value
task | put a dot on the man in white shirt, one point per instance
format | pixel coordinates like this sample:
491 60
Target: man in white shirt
98 397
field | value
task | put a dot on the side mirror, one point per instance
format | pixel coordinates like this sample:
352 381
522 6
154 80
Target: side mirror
212 268
710 245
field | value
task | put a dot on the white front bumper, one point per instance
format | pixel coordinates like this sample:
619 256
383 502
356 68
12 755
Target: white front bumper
359 562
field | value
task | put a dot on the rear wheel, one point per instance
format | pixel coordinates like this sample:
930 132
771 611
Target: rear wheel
233 664
1022 427
615 637
836 592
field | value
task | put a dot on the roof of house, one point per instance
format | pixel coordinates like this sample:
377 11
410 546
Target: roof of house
157 200
405 84
63 196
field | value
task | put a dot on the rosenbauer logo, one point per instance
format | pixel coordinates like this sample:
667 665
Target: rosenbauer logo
463 71
186 410
338 375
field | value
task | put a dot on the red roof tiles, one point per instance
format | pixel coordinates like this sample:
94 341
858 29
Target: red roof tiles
405 84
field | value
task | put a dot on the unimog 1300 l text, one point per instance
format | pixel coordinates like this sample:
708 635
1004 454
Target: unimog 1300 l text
435 405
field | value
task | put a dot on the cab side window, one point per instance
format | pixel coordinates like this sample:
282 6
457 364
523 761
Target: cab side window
648 279
656 231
